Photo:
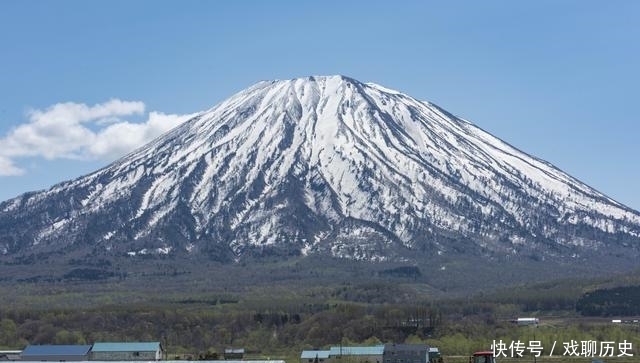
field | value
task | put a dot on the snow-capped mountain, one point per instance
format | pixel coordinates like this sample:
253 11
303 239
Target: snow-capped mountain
322 165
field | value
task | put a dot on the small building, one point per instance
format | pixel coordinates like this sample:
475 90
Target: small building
314 356
233 353
56 353
371 354
144 351
527 321
6 355
434 355
406 353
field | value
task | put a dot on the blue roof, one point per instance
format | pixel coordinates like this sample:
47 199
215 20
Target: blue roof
126 347
375 350
312 354
78 350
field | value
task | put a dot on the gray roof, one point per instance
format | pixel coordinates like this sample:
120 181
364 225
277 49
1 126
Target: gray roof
406 347
374 350
66 350
312 354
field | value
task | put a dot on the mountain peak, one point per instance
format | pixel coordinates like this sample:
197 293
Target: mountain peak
323 165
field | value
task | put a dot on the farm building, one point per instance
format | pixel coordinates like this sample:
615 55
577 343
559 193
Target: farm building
145 351
371 354
234 354
388 353
6 355
406 353
314 356
56 353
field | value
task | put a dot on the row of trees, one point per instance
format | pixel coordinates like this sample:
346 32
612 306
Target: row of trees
202 327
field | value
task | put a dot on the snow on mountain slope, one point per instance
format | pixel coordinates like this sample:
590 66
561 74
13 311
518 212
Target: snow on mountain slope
322 165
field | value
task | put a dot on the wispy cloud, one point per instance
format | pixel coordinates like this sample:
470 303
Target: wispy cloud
78 131
7 167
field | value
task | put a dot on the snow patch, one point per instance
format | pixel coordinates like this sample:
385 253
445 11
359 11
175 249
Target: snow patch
164 250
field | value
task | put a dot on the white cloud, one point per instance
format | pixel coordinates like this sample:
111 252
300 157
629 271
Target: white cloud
77 131
8 168
120 138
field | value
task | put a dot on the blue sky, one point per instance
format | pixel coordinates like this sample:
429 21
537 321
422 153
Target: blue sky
82 82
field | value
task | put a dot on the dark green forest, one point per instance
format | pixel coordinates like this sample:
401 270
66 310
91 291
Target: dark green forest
617 301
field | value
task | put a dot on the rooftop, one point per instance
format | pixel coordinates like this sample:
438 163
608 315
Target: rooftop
126 347
56 350
312 354
374 350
